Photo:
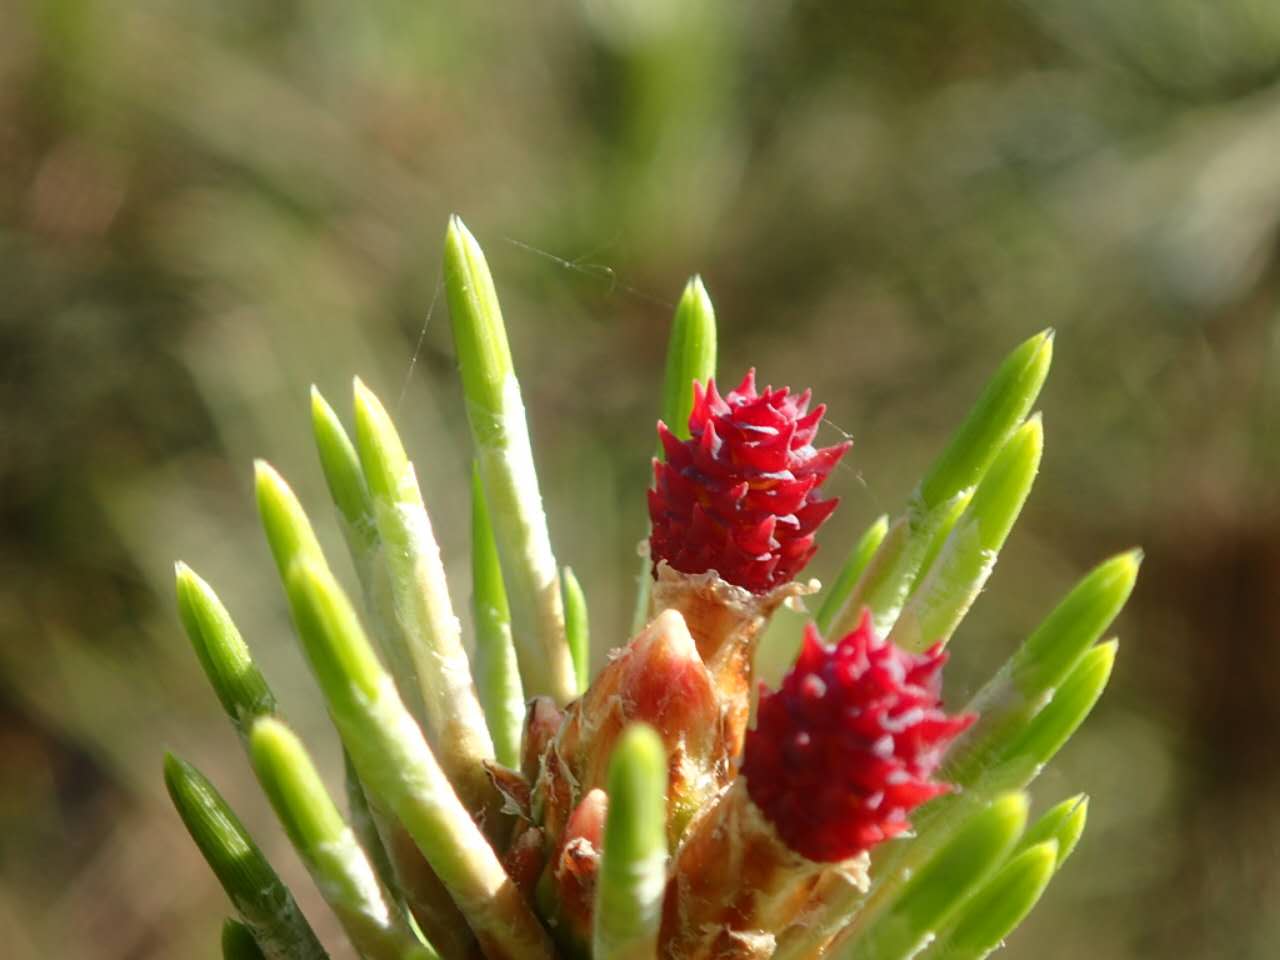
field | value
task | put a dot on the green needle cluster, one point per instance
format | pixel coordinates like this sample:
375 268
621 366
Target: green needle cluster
972 887
420 867
1056 666
934 892
925 570
993 431
944 594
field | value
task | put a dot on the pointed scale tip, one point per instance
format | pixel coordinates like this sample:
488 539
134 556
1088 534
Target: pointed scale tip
671 627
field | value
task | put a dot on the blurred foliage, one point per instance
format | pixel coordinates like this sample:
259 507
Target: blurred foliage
206 206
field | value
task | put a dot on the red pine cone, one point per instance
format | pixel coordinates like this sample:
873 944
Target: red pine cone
843 751
740 497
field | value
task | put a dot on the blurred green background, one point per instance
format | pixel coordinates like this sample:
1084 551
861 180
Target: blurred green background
204 207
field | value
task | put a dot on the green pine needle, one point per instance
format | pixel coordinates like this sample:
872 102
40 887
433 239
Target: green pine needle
236 679
285 523
577 628
854 566
500 432
347 487
238 942
948 514
632 878
365 824
497 671
258 894
1076 624
691 355
455 722
328 847
1006 400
